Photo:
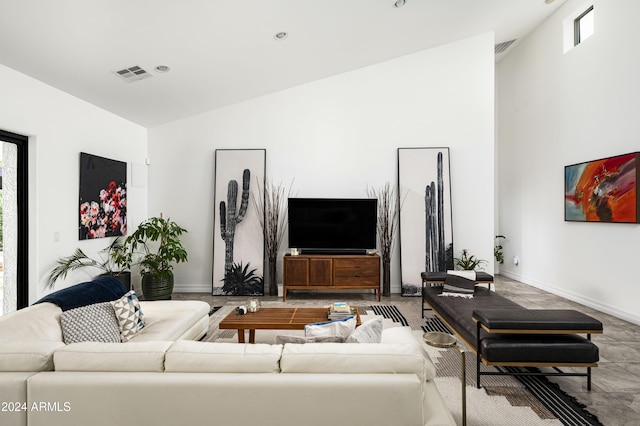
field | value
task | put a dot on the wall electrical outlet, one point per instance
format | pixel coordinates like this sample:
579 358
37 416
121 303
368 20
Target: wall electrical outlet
516 260
56 236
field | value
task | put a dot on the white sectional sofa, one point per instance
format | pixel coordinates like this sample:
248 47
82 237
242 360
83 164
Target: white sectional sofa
163 377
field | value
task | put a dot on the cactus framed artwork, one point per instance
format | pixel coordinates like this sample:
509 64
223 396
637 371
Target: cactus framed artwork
238 243
426 234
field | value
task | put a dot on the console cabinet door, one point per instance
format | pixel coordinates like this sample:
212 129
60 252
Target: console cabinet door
320 271
296 271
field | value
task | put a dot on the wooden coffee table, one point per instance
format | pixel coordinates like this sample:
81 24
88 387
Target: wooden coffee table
275 319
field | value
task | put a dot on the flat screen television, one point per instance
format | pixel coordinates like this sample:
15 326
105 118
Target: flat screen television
332 225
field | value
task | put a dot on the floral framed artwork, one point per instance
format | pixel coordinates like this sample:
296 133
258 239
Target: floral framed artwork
238 243
602 190
103 197
426 231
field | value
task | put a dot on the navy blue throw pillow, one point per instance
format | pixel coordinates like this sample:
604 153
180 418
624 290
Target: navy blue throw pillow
104 288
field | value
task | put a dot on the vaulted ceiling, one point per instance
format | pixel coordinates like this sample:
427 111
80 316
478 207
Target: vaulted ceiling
223 52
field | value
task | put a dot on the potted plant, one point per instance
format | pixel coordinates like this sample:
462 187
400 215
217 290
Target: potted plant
497 250
155 246
112 262
272 214
387 224
468 262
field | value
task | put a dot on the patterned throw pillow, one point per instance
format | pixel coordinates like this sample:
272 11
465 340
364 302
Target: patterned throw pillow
129 315
91 323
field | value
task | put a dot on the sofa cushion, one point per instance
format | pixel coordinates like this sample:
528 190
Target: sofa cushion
95 356
369 332
187 356
91 323
28 356
129 315
339 328
170 319
352 358
34 323
101 289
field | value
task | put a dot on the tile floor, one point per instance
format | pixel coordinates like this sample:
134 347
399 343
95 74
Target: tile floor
615 394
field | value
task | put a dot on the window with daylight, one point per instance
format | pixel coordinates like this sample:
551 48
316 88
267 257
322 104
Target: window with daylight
583 26
14 285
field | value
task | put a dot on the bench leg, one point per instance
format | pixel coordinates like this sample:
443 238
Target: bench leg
478 355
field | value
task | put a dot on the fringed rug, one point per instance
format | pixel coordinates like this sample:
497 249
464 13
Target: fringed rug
546 399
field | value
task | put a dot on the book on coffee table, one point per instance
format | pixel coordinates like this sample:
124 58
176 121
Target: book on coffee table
340 310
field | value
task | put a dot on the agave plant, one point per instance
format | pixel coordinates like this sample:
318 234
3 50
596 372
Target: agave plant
239 280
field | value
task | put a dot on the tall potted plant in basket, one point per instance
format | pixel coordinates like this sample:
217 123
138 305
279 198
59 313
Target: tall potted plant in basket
388 209
155 246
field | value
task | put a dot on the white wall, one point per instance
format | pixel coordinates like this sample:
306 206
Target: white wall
557 109
59 127
335 136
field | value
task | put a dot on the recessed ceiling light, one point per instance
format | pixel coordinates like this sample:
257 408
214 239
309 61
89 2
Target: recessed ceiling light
399 3
549 1
281 35
162 68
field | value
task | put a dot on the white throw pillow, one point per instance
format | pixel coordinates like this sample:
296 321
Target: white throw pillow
341 328
369 332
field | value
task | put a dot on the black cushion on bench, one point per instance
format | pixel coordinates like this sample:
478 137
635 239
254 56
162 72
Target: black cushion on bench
458 311
536 319
440 276
535 348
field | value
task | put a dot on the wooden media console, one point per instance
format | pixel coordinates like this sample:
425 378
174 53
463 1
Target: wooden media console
331 272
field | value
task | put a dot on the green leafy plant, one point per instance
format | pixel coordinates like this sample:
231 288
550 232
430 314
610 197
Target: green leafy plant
113 261
239 280
468 261
155 246
497 250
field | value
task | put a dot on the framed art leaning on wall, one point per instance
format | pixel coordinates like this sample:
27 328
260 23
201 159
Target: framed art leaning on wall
426 231
602 190
238 243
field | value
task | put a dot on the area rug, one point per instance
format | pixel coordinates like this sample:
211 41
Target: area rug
543 397
502 401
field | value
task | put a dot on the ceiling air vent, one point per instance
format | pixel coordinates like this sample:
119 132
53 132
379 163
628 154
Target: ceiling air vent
501 47
132 74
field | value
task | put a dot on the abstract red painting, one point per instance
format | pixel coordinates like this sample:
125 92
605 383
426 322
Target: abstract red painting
602 190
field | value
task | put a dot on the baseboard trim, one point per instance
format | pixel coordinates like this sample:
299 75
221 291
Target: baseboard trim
598 305
192 288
